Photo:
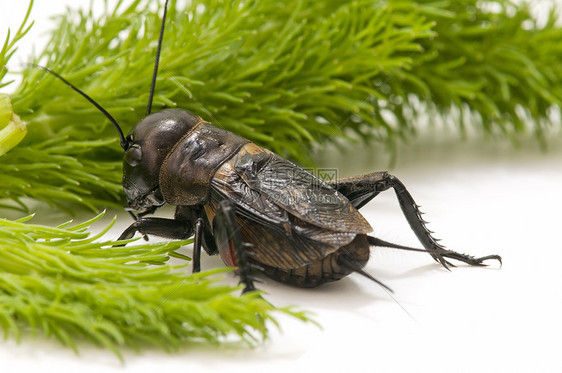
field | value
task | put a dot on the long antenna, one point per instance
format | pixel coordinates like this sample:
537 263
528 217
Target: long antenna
157 60
123 142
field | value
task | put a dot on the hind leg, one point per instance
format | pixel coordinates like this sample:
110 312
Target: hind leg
361 189
440 253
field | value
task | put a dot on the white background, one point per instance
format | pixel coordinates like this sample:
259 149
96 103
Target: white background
481 197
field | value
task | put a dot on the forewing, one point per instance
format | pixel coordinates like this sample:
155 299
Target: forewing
290 225
299 193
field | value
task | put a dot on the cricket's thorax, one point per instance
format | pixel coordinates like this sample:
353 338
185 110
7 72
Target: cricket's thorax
186 173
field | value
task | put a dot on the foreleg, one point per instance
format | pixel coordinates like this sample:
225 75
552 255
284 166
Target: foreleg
170 228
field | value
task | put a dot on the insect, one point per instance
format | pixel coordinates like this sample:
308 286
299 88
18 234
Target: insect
257 210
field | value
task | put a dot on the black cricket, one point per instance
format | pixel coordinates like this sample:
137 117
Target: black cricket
255 209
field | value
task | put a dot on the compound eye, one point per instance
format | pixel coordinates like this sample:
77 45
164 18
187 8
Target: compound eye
134 155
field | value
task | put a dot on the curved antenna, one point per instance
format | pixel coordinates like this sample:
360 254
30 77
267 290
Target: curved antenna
157 60
123 141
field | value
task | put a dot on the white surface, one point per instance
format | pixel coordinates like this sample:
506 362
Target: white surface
481 199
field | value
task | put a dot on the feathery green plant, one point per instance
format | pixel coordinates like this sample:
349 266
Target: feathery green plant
62 282
284 76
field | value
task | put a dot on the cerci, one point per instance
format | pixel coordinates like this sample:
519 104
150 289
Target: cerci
259 211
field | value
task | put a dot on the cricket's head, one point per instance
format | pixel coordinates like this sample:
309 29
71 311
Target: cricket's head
148 145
